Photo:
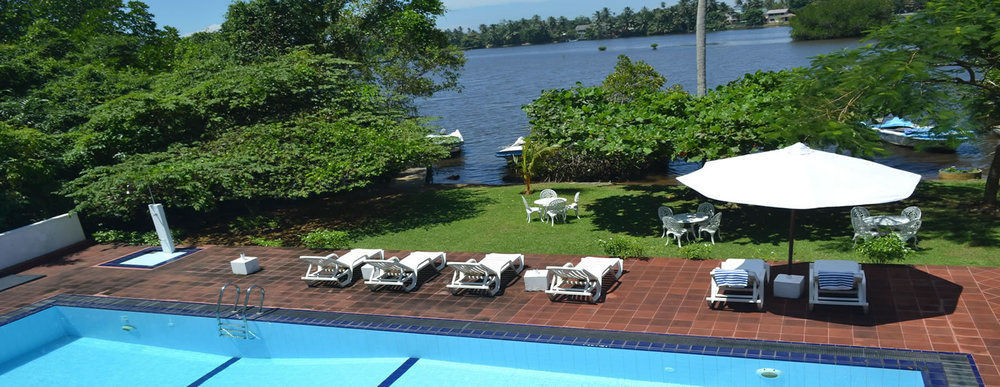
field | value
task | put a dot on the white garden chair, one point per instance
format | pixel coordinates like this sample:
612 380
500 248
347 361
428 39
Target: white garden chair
575 205
664 212
912 213
547 193
706 209
861 228
484 274
711 227
337 269
531 210
555 209
908 231
396 272
675 229
584 279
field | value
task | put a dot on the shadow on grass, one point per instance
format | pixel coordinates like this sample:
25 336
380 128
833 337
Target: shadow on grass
896 293
418 210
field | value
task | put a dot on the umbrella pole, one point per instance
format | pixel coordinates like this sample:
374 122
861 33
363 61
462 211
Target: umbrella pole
791 240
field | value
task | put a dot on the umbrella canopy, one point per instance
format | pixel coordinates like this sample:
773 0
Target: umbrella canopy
798 178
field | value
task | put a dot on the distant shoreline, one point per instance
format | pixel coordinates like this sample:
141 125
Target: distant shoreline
629 37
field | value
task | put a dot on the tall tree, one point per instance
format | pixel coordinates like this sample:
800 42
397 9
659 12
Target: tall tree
700 37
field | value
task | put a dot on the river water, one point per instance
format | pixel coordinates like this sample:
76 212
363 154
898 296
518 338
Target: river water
496 82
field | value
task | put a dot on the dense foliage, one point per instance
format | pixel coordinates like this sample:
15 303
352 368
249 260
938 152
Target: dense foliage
292 98
677 18
883 249
630 125
828 19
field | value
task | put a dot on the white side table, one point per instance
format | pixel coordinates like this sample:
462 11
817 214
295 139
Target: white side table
536 280
245 265
789 286
367 271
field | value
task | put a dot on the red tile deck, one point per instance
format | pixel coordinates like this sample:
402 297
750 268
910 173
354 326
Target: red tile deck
941 308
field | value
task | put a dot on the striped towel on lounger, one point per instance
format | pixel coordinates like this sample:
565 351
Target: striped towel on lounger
737 278
836 280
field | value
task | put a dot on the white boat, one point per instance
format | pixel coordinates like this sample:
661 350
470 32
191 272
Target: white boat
453 140
898 131
512 150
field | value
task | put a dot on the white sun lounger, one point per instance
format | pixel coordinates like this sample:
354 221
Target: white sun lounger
397 272
739 280
339 269
485 274
584 279
836 282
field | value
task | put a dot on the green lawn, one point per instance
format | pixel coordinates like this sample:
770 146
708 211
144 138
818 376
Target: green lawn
492 219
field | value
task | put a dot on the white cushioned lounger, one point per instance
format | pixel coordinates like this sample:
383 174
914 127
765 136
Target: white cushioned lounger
835 290
729 286
338 269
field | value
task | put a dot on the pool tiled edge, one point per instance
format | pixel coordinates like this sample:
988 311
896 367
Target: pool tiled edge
937 368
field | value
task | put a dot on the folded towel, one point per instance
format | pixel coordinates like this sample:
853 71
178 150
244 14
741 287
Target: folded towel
736 278
836 280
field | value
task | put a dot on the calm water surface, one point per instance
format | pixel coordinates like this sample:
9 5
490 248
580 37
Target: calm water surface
497 82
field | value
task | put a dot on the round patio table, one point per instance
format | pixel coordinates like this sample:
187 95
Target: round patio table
886 220
546 201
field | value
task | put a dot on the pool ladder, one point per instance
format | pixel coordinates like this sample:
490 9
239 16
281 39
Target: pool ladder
239 330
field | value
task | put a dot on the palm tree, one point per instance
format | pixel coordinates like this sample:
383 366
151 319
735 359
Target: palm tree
531 152
700 43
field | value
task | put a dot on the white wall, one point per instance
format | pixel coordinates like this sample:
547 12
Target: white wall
35 240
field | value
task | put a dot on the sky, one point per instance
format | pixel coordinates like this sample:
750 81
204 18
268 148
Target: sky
190 16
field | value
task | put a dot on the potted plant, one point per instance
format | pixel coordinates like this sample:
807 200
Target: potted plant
953 173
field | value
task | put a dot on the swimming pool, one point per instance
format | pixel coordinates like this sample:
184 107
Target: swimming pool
76 340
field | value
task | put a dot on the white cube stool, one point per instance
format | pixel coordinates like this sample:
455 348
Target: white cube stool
789 286
245 265
536 280
367 271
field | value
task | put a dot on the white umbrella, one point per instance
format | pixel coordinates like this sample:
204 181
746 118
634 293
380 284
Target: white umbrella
799 178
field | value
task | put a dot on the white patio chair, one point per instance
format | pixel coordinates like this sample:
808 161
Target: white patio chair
675 229
861 228
912 213
706 209
739 280
485 274
584 279
836 282
547 193
664 212
531 210
396 272
908 231
575 205
711 227
338 269
553 210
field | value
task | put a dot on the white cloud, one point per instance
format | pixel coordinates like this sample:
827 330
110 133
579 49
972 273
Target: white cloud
210 28
460 4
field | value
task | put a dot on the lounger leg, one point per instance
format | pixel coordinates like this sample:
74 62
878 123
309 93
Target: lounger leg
597 293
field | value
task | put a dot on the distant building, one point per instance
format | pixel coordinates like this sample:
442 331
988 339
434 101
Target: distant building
581 30
778 15
732 18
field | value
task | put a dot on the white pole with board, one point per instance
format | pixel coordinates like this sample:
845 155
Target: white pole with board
162 228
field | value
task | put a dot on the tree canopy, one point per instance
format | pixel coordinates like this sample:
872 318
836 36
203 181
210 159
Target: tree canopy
99 106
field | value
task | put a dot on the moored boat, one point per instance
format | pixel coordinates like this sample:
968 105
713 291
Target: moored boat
901 132
453 140
512 150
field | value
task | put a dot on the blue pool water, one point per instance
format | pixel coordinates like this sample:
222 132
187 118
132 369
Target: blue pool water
78 346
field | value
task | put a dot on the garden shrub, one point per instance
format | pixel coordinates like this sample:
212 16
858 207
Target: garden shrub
883 249
697 251
623 247
249 224
266 242
326 239
132 237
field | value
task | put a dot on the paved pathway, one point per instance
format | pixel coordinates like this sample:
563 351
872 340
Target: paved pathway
942 308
